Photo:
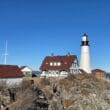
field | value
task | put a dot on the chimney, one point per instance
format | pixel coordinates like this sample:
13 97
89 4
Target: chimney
52 54
68 54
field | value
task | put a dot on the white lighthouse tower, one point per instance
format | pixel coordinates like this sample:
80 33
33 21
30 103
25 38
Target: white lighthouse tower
85 56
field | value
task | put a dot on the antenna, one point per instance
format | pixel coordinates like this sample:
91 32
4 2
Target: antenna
5 55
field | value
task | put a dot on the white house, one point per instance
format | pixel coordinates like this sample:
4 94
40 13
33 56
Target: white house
27 71
55 66
11 74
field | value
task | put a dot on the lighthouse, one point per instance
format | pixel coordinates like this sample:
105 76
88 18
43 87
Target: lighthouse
85 56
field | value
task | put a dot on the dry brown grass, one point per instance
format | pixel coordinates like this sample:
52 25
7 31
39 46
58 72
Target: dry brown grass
67 103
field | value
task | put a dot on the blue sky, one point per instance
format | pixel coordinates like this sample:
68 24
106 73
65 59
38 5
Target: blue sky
37 28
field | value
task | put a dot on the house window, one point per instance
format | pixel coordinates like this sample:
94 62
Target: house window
55 64
75 64
71 70
27 74
75 61
58 63
57 72
53 72
49 72
76 71
51 64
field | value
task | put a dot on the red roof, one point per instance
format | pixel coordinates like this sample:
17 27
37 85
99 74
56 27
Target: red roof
98 70
10 71
65 62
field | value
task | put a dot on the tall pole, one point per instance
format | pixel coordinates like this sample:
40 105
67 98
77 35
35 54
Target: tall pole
5 60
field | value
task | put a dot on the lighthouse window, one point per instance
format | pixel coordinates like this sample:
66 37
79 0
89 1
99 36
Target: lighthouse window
84 38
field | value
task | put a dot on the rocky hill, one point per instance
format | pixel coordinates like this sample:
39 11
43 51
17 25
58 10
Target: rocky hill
75 92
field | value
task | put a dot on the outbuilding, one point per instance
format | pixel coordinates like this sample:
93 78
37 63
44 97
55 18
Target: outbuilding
27 71
99 73
11 74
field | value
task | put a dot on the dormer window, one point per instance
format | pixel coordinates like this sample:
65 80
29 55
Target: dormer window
55 64
58 63
51 64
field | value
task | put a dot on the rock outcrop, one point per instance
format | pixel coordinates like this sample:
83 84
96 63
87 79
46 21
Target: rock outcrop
75 92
